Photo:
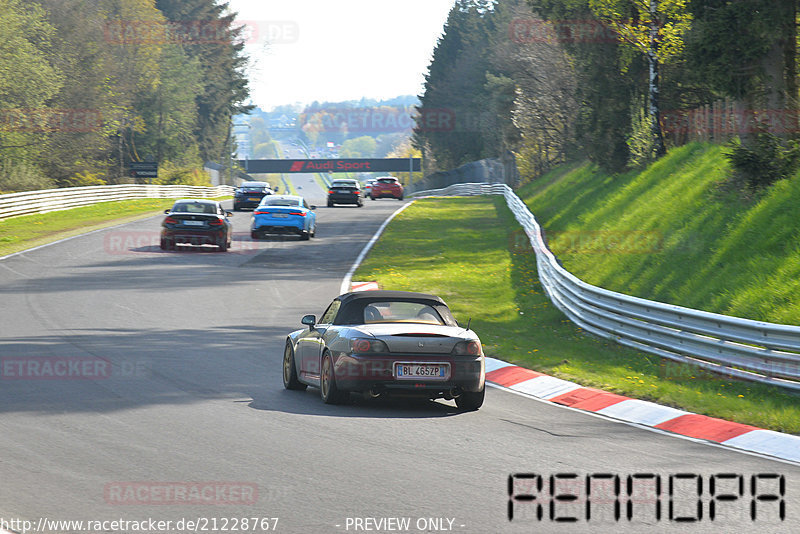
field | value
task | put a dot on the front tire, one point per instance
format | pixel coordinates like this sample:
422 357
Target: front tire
469 401
290 380
327 387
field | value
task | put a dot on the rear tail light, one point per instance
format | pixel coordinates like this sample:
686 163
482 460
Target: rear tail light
330 192
468 348
261 212
217 222
171 220
300 213
361 345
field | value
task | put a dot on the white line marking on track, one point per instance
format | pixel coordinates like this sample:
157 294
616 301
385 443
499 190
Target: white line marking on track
345 287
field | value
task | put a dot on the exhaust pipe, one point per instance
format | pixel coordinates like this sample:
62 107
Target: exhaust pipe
372 394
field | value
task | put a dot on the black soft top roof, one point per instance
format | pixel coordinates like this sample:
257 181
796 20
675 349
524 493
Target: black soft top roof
196 201
353 304
383 294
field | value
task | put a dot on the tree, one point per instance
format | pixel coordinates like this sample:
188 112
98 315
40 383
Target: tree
656 29
747 50
607 80
28 80
222 61
360 147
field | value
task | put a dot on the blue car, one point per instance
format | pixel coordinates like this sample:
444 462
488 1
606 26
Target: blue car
284 214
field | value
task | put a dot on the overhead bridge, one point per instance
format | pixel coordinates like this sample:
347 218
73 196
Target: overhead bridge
258 166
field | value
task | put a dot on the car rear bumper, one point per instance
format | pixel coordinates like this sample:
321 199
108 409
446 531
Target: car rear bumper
345 199
194 237
279 228
377 373
386 194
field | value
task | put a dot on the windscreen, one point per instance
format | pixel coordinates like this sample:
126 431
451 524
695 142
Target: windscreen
280 202
194 207
401 312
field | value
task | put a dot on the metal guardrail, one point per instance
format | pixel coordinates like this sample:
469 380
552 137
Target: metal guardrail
740 348
42 201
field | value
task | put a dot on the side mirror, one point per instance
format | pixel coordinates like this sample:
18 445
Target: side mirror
229 213
313 207
167 211
309 320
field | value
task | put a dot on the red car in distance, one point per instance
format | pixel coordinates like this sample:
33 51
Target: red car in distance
387 186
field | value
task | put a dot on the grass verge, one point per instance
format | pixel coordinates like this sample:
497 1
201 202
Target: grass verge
467 251
677 232
28 231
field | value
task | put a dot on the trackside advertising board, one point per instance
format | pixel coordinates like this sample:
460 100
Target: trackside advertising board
329 165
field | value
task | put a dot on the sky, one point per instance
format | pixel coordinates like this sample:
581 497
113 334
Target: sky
335 50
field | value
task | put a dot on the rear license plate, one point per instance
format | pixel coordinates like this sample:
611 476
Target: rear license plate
194 223
421 371
280 215
254 198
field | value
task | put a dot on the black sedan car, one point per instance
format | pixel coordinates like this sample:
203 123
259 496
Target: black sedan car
196 222
345 192
383 343
249 194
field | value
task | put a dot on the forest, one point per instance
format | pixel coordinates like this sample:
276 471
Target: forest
618 82
88 86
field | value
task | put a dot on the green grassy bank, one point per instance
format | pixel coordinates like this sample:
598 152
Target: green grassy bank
467 251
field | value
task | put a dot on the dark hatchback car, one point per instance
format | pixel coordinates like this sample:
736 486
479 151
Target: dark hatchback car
384 343
196 222
249 194
345 192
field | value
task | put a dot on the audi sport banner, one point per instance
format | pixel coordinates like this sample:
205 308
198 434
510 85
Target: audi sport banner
257 166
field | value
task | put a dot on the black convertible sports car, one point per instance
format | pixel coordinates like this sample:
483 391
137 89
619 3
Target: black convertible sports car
384 342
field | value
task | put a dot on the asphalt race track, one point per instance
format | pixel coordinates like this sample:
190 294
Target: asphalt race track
175 387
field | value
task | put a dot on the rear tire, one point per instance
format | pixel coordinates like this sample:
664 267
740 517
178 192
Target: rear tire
223 247
290 380
305 236
469 401
330 204
327 383
254 235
